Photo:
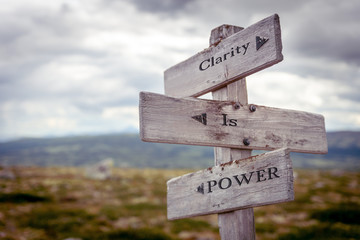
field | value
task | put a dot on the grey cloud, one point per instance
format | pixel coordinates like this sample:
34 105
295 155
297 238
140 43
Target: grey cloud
322 43
99 106
328 31
161 6
272 6
43 33
144 81
353 95
10 32
322 68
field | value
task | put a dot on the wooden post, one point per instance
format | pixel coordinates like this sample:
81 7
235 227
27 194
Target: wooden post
238 224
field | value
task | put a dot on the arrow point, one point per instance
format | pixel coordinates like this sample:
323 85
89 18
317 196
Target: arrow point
200 188
260 42
200 118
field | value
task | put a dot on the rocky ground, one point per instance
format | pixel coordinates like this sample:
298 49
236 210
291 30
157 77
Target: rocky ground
66 203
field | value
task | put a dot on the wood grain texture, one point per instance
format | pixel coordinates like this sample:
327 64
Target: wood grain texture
220 33
187 79
169 120
256 181
239 224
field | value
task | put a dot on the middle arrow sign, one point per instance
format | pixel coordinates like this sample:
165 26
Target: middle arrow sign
227 124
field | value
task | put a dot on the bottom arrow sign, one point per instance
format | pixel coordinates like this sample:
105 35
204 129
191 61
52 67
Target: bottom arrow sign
256 181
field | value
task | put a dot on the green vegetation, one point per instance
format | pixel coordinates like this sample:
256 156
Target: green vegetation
21 198
323 232
344 213
59 203
180 225
130 151
56 220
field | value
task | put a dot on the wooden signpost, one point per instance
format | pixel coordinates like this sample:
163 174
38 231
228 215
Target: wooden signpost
256 181
237 182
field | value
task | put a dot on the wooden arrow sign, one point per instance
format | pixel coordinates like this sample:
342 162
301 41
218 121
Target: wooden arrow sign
248 51
251 182
228 124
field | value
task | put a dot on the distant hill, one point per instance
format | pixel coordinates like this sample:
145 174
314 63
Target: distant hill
127 150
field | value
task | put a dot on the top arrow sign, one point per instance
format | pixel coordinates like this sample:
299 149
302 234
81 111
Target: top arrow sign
246 52
260 41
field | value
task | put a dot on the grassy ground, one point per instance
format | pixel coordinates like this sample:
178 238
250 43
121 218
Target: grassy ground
61 203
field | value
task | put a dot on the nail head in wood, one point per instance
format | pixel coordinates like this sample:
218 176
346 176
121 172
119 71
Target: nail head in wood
246 142
252 108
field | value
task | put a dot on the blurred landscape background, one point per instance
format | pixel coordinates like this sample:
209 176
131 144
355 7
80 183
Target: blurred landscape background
114 187
127 150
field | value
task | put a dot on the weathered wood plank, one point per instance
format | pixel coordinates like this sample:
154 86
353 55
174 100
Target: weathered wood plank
256 181
228 124
248 51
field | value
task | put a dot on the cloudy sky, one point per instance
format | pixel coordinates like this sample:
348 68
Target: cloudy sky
76 67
